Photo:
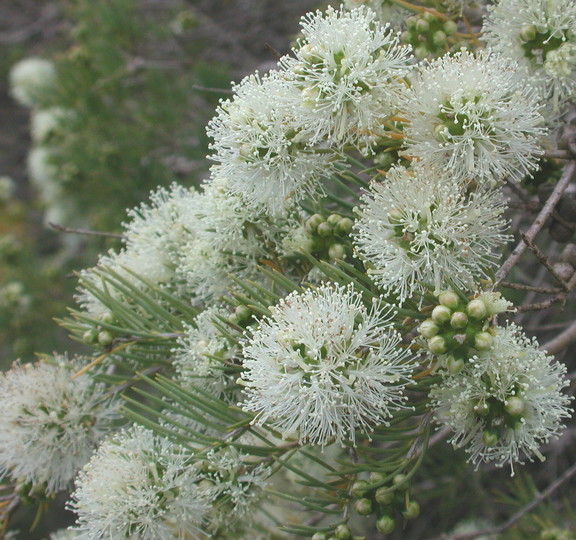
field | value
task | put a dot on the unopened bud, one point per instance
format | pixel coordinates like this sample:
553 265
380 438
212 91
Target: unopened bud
477 309
105 338
337 251
528 32
459 320
363 507
454 365
450 27
344 226
313 221
324 229
437 345
439 38
489 438
342 532
514 406
441 314
449 299
412 510
359 488
482 409
384 496
483 341
428 329
422 26
385 525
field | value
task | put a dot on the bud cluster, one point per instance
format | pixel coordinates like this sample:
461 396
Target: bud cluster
456 330
101 334
328 236
429 35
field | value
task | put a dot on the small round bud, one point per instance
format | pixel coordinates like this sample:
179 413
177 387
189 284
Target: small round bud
429 17
105 338
449 299
90 336
439 38
324 229
377 477
308 52
422 26
243 312
333 219
385 525
363 506
107 317
482 408
411 21
489 438
514 406
319 536
459 320
421 52
313 221
344 226
406 37
477 309
342 532
441 133
384 496
454 365
400 479
441 314
359 488
450 27
437 345
528 32
483 341
337 251
395 216
412 510
428 329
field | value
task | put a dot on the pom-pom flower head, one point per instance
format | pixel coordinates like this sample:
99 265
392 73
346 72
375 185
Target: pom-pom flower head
348 68
474 116
418 227
506 402
259 148
323 366
139 485
540 35
31 79
50 424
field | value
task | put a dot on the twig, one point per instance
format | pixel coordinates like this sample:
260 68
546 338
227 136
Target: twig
561 341
61 228
544 261
560 297
548 208
556 154
523 287
518 515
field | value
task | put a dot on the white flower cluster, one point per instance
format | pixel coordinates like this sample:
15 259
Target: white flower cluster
419 228
506 402
323 366
31 79
50 424
541 36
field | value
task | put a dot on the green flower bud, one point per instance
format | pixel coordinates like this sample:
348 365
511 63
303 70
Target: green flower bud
489 438
528 32
439 38
337 251
411 21
450 27
363 506
421 52
454 365
422 26
383 496
441 314
333 219
243 313
482 409
377 477
437 345
319 536
483 341
449 299
406 37
395 216
313 221
459 320
342 532
324 229
514 406
412 510
90 336
105 338
398 479
107 317
385 525
429 17
344 226
428 329
477 309
359 488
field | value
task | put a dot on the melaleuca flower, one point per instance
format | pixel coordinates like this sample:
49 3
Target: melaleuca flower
506 402
348 68
65 534
259 148
203 351
541 36
386 10
323 365
31 80
419 228
139 485
50 424
475 116
47 124
237 484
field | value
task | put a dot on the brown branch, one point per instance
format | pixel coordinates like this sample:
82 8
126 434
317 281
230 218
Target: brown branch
556 154
567 177
544 261
561 341
86 232
560 297
523 287
518 515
